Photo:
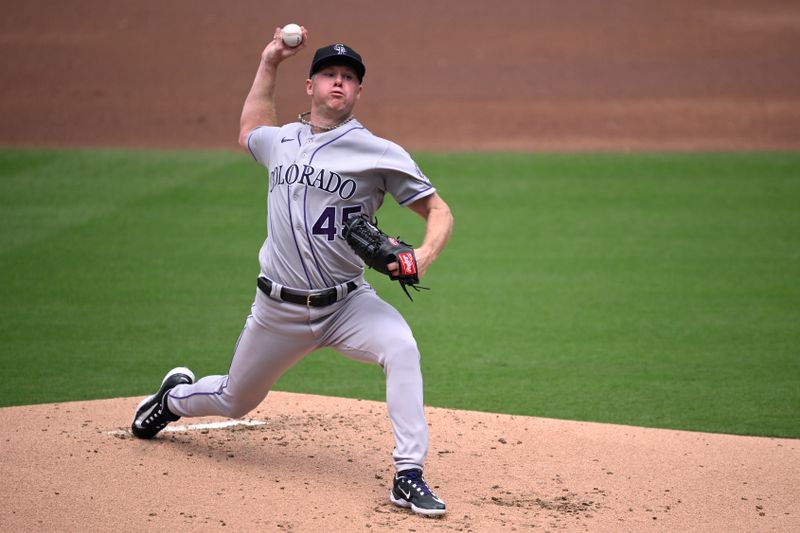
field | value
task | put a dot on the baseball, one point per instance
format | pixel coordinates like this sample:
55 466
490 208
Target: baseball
292 35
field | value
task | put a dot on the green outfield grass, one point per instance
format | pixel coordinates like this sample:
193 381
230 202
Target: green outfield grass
656 290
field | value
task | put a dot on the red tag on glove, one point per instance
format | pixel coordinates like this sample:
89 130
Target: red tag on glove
408 267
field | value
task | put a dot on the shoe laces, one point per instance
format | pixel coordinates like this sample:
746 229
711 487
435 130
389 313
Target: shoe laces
414 477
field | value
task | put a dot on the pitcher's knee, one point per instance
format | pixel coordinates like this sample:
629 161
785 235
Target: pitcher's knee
402 355
237 408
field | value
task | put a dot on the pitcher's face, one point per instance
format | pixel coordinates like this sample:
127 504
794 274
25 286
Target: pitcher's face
335 88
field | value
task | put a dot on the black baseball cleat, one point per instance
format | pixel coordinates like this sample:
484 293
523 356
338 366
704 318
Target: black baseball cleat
152 414
410 490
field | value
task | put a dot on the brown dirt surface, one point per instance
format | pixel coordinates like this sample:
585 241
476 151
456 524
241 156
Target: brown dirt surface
324 464
516 75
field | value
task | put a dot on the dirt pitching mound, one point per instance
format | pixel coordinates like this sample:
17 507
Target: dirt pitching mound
312 463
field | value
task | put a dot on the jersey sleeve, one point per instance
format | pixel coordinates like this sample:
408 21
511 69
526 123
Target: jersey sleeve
402 176
259 142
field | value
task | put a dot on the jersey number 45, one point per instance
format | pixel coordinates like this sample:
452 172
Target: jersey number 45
326 223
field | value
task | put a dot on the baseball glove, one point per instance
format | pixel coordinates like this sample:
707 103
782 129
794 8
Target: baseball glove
378 250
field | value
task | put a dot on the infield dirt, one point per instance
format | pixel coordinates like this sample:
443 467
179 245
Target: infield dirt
546 75
323 464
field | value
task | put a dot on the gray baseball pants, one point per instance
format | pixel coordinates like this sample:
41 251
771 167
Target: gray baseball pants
278 334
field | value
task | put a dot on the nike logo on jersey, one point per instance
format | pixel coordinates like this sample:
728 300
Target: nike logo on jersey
285 140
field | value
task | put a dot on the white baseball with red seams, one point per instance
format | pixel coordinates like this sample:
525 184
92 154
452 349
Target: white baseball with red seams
292 35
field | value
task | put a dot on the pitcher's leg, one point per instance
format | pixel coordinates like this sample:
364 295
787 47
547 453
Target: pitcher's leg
404 402
260 358
370 330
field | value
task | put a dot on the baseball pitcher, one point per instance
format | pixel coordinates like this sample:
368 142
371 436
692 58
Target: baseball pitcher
327 176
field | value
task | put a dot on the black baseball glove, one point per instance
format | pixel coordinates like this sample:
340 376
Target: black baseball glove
378 250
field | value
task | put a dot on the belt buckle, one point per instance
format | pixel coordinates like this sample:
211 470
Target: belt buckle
313 299
321 298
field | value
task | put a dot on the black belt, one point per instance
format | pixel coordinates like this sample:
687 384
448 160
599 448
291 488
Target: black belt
313 298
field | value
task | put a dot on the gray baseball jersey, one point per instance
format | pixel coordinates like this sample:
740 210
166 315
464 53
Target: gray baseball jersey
316 182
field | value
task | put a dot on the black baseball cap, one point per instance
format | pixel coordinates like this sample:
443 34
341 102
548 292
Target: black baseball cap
338 53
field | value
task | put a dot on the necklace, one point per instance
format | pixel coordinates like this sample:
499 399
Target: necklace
304 120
